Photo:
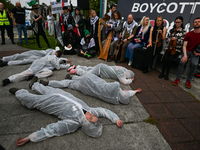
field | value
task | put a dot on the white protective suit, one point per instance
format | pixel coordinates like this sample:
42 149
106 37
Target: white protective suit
41 68
92 85
27 57
105 71
67 108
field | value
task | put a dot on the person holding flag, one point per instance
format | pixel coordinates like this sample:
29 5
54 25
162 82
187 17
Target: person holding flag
79 23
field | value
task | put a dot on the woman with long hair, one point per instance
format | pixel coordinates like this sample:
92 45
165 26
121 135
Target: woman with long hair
174 41
140 39
156 37
37 21
79 22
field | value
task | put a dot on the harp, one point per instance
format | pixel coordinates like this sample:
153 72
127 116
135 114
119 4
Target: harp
105 50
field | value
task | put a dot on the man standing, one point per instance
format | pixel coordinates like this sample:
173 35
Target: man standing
50 23
19 21
112 9
5 24
191 40
66 18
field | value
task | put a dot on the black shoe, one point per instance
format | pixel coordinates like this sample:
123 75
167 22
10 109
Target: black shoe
49 46
166 77
5 63
35 79
161 75
5 82
68 77
13 42
20 43
109 60
145 71
29 77
27 43
1 61
13 90
39 46
119 61
3 43
45 83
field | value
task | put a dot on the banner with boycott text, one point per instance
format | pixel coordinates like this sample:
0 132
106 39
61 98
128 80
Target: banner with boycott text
169 10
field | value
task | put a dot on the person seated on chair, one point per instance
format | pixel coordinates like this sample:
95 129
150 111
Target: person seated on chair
156 37
129 30
140 39
88 46
116 25
175 36
71 41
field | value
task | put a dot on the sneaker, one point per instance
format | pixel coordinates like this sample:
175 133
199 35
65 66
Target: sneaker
129 63
13 42
5 82
29 77
176 82
73 71
70 68
5 63
3 43
188 84
68 77
45 83
13 90
35 79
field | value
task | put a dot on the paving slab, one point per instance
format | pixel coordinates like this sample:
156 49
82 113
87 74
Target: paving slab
18 121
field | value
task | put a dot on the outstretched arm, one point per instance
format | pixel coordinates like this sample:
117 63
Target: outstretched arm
102 112
126 81
54 129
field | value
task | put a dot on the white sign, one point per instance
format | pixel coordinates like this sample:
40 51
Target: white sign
56 7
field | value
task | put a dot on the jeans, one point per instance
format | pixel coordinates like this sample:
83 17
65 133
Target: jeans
21 27
130 50
194 63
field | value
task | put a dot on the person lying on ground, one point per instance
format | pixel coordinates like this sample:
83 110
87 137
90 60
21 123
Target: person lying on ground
72 112
41 68
122 74
92 85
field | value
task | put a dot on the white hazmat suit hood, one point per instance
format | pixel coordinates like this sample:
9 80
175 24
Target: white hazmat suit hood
92 129
129 74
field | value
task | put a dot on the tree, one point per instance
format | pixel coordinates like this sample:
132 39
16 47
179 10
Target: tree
7 4
95 4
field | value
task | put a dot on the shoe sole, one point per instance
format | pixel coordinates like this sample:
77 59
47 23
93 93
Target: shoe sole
35 79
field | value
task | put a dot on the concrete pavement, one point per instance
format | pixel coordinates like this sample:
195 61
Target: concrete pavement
18 121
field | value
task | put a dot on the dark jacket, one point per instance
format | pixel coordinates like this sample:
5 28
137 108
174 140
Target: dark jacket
81 26
146 35
71 38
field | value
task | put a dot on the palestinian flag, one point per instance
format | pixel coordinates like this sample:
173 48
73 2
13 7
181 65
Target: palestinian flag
63 29
31 2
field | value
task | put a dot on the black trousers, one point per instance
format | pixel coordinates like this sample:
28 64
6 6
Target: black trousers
9 31
149 57
168 61
44 37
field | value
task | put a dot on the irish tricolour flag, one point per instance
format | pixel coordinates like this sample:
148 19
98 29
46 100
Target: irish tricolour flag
31 2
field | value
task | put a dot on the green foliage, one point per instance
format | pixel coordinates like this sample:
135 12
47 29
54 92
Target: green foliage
95 4
7 4
151 120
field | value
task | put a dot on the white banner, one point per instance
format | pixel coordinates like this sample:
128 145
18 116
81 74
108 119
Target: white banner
56 7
